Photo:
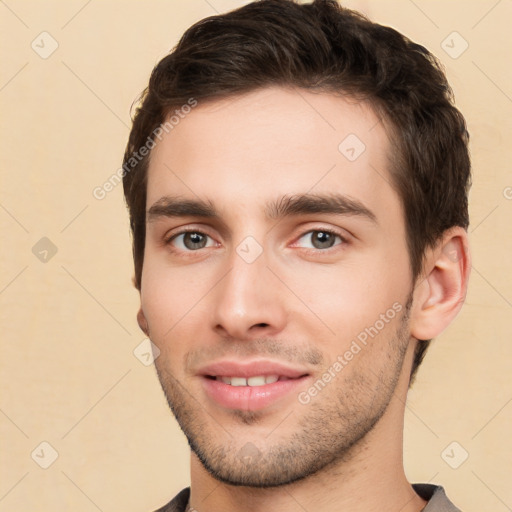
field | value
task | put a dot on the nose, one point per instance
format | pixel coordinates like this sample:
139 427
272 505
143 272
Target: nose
247 303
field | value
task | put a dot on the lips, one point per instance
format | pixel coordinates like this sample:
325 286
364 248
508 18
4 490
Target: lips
250 385
258 380
251 369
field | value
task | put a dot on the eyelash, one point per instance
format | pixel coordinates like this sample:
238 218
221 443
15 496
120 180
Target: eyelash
343 240
168 240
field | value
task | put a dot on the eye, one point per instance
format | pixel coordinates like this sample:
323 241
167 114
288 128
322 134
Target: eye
319 239
191 241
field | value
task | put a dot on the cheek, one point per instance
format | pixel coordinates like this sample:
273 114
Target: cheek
164 305
165 298
348 296
175 300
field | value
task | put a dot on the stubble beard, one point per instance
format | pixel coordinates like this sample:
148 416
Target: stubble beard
331 428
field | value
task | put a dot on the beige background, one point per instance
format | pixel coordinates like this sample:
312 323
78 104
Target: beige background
68 373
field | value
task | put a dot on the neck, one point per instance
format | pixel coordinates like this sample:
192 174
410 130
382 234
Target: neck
366 481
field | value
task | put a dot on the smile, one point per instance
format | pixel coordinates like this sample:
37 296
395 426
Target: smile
259 380
251 385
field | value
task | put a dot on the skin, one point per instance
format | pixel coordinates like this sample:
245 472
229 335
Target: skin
298 302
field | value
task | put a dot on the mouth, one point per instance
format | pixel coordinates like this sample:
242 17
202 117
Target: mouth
256 381
251 386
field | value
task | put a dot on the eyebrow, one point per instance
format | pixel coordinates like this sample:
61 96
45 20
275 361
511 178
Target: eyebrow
286 206
301 204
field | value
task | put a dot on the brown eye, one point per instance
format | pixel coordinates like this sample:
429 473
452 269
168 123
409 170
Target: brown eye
194 240
191 241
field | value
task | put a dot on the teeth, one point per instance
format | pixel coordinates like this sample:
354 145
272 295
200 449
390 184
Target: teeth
256 381
259 380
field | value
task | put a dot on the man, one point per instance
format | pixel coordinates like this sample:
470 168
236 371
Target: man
297 182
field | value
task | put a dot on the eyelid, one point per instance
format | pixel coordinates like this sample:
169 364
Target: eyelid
174 232
169 238
342 234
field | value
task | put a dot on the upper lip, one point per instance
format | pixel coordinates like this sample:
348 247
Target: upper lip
248 369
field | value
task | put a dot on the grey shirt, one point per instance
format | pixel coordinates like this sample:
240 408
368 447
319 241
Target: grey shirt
434 494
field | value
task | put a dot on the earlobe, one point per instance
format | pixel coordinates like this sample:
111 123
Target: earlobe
439 296
143 323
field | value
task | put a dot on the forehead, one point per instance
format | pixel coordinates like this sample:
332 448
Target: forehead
244 150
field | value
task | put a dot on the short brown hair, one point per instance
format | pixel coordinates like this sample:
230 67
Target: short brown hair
321 47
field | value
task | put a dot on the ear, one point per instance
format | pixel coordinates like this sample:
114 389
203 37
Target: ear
143 323
440 293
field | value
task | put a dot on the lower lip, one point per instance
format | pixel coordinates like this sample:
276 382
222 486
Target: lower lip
250 398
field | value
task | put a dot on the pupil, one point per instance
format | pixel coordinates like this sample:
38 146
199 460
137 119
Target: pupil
321 239
194 240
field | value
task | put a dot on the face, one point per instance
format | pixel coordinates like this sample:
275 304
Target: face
276 281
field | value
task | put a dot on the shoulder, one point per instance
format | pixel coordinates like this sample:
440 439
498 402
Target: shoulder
436 498
434 494
178 503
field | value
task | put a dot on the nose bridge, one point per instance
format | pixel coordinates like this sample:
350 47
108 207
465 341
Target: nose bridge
246 300
249 275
